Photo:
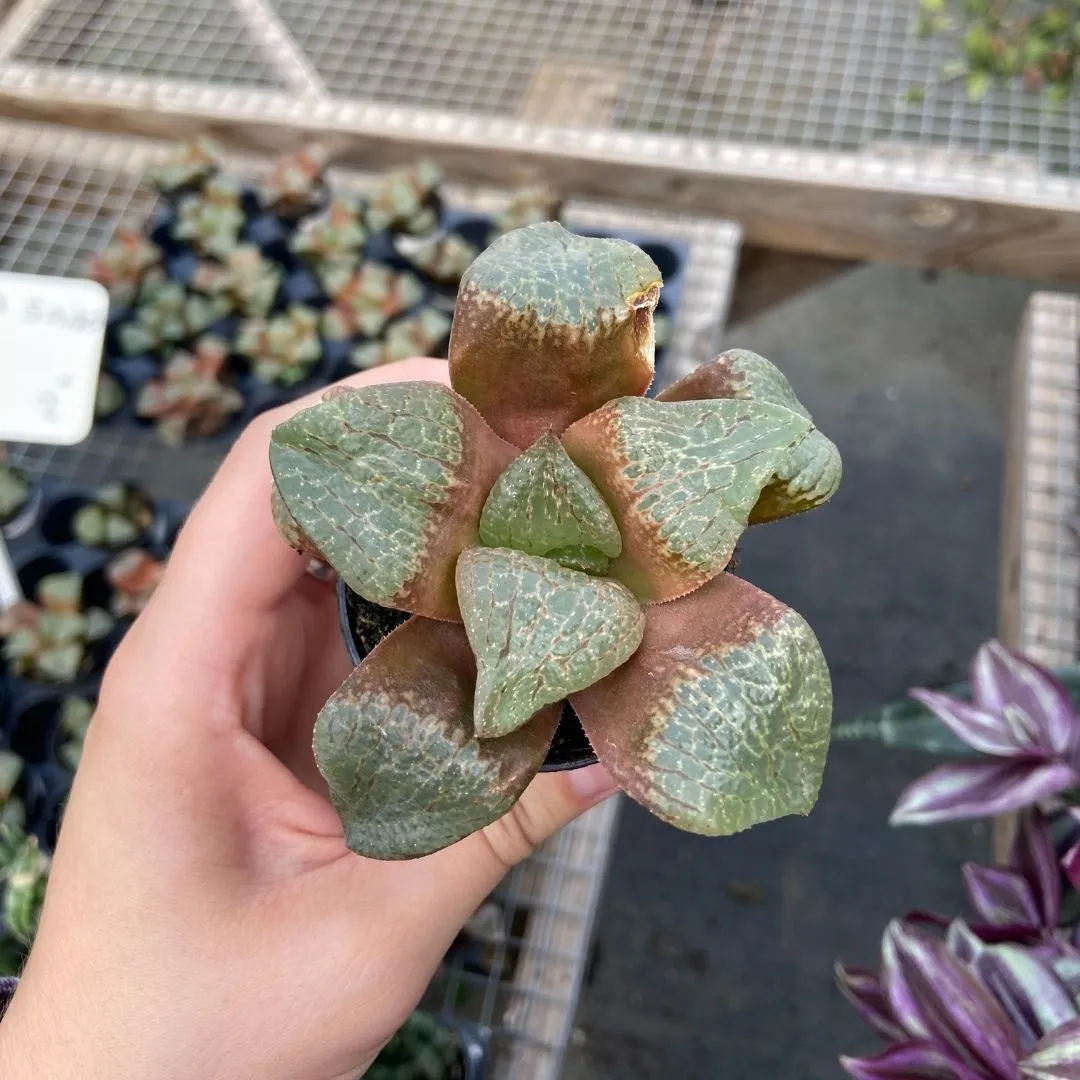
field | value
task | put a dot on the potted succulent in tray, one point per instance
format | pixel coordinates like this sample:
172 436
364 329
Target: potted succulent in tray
997 996
555 535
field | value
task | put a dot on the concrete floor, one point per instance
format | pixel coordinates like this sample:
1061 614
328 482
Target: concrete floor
715 956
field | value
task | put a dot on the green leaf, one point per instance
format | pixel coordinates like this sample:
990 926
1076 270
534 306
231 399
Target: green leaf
681 478
396 744
548 326
805 478
386 484
544 503
539 632
721 719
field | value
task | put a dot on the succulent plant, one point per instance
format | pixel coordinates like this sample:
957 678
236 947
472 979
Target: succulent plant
14 491
1034 41
247 278
295 184
122 266
443 257
167 313
75 716
48 640
365 301
422 334
421 1049
334 240
118 514
406 200
211 219
530 206
110 396
24 873
191 396
556 535
188 163
134 575
283 349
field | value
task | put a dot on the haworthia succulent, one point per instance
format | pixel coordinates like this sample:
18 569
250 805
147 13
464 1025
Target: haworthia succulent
548 326
396 745
386 484
681 479
539 632
545 504
810 474
721 719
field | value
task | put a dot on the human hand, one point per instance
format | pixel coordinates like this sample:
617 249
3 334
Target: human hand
204 918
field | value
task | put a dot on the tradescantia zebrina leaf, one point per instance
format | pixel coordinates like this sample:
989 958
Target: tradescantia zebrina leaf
545 505
539 632
721 719
396 744
681 479
810 474
549 325
386 484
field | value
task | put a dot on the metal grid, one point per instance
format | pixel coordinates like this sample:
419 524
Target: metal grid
61 195
1040 607
813 74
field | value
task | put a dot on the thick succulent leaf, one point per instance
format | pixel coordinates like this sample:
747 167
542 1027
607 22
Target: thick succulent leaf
539 632
396 744
1057 1057
982 731
909 1061
548 326
721 718
681 479
934 996
862 989
1035 701
1001 896
1032 995
1034 858
905 724
968 789
811 473
545 505
386 484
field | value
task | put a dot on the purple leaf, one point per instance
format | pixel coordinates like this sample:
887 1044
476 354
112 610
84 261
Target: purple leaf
1032 995
967 789
908 1061
1033 856
862 989
1057 1057
1026 695
1070 863
981 730
1001 896
963 942
935 997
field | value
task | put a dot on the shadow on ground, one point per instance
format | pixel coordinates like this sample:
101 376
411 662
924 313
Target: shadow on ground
714 957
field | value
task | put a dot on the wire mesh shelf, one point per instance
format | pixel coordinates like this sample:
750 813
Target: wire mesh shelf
648 100
1040 588
62 193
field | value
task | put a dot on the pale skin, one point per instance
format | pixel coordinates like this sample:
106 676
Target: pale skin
204 918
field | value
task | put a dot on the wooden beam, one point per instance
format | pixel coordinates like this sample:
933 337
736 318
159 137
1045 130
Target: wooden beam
917 212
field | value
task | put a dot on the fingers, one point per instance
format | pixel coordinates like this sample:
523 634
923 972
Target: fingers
229 556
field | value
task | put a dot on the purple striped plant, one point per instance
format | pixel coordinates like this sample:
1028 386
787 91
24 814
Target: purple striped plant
996 997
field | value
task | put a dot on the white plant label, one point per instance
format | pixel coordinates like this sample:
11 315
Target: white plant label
52 331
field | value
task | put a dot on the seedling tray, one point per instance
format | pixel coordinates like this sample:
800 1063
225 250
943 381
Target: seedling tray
40 543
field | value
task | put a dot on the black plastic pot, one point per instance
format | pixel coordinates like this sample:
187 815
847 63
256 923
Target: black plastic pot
364 625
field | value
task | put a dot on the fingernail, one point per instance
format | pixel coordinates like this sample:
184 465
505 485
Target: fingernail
591 783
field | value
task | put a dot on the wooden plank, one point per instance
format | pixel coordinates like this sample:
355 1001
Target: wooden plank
768 277
998 218
1039 589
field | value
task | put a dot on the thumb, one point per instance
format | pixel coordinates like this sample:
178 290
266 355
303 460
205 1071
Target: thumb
551 801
